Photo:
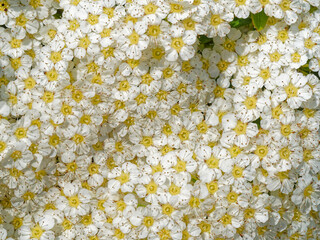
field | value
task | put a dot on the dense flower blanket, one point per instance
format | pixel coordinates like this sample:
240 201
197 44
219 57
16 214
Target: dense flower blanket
159 119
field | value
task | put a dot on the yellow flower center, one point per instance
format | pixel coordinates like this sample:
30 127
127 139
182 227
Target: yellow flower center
276 112
52 33
177 43
121 205
250 102
15 63
241 128
17 222
234 151
77 96
85 119
261 151
151 187
150 8
109 12
202 127
283 175
249 213
164 234
307 155
283 35
96 99
141 98
184 134
286 130
123 178
308 191
212 187
86 220
176 8
54 140
119 147
174 189
304 133
189 24
175 109
232 197
237 172
146 141
148 221
74 201
167 209
180 166
264 2
295 57
15 43
73 25
84 42
151 114
243 61
157 53
265 73
229 45
29 83
124 85
134 38
4 6
66 109
77 138
93 168
118 234
240 2
275 57
226 219
205 227
285 5
21 133
93 19
55 57
146 79
48 97
194 202
15 172
36 231
215 20
28 196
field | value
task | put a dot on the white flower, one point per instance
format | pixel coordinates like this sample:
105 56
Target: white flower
237 132
292 87
133 39
179 43
217 21
124 177
306 195
76 200
248 107
240 8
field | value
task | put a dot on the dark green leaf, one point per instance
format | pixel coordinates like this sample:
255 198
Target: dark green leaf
58 14
205 42
258 122
259 20
312 9
239 22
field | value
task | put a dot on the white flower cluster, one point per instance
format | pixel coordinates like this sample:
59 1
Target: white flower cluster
159 119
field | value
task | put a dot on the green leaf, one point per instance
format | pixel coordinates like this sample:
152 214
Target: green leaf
239 22
258 122
58 14
312 9
205 42
259 20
